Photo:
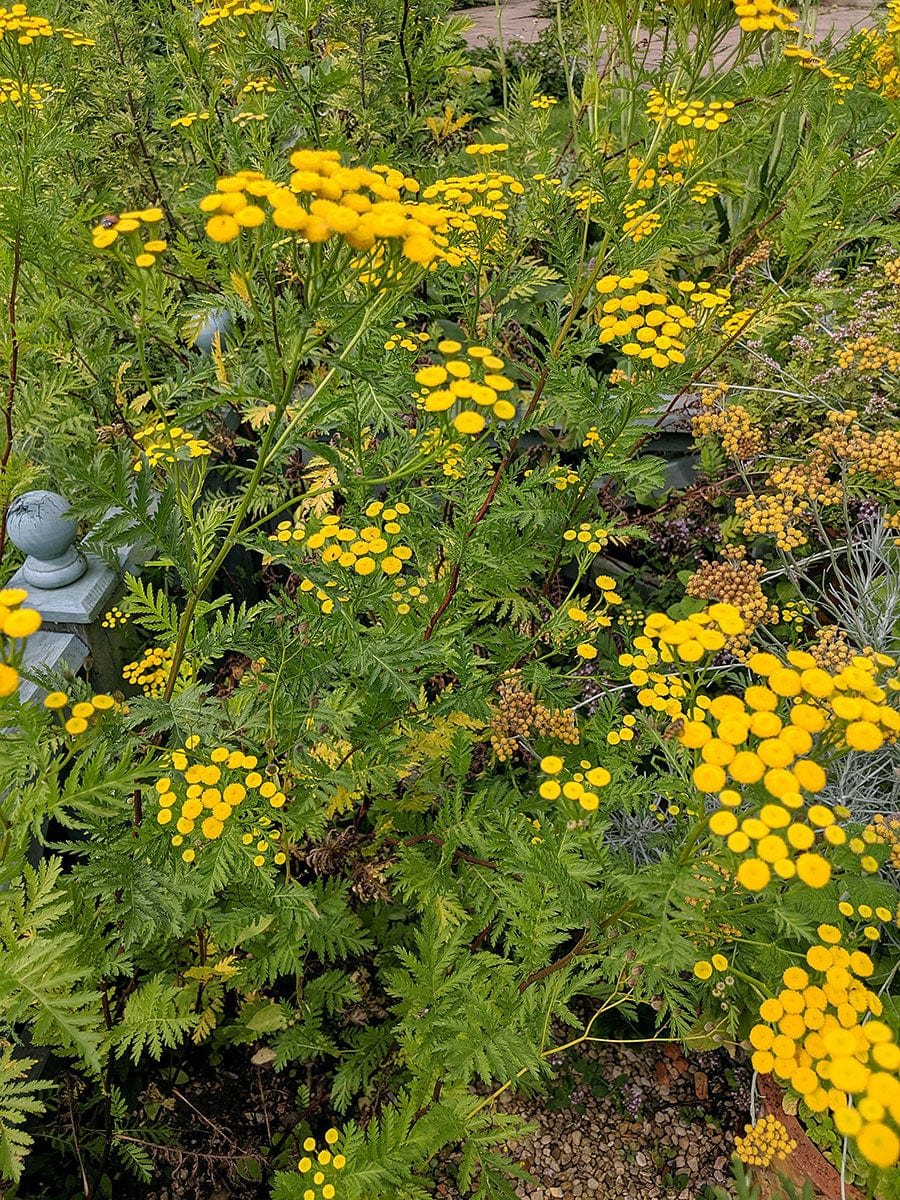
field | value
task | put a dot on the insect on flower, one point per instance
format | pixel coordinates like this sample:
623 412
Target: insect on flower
109 221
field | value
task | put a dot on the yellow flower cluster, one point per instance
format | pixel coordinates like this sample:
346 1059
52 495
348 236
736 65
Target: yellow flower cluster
652 325
641 176
778 516
739 433
486 149
842 447
623 734
586 198
217 785
733 580
824 1039
161 444
475 207
755 743
363 550
865 912
672 107
17 24
574 787
762 15
406 341
362 207
414 594
321 1169
258 87
764 1142
703 191
593 438
562 478
592 537
16 624
869 356
544 102
666 641
705 967
83 713
473 375
805 58
588 623
113 226
34 95
879 54
188 120
638 224
738 321
151 670
113 617
228 9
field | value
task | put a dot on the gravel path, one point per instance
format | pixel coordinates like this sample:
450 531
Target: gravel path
631 1123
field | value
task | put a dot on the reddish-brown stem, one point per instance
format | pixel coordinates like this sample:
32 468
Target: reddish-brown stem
488 501
557 965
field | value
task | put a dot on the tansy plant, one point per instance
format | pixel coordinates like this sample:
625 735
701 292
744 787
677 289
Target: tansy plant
422 760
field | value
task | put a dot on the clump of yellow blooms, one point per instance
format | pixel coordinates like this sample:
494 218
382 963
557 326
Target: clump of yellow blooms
885 830
763 15
805 58
188 120
764 1143
321 1166
17 24
361 207
113 617
84 712
868 356
209 791
652 326
740 434
573 787
879 52
476 208
865 912
821 1035
762 742
666 642
586 198
151 670
792 490
518 712
687 113
406 341
544 102
163 444
365 551
22 94
704 190
639 224
735 581
561 477
472 375
224 10
16 624
128 224
892 271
